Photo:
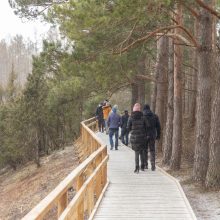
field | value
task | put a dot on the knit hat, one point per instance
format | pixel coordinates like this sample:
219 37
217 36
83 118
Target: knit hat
137 107
147 107
114 109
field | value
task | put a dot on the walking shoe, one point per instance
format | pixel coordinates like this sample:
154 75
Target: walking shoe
142 167
153 168
136 170
116 148
111 148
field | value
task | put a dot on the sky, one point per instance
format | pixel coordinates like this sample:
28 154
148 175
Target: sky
10 25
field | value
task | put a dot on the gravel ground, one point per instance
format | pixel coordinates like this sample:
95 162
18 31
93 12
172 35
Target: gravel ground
206 204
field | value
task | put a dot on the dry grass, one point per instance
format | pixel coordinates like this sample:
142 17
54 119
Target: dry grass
21 190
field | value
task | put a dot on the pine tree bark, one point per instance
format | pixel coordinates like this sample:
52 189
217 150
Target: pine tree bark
203 113
192 107
161 98
141 92
134 94
153 96
37 149
141 83
213 173
154 87
167 146
177 117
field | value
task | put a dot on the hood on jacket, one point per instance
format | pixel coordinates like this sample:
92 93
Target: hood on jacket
147 112
146 106
114 109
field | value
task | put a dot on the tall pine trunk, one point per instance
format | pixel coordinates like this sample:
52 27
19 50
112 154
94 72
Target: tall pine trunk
154 86
161 98
177 118
141 92
153 96
167 146
192 107
141 70
203 113
134 94
137 92
37 147
213 173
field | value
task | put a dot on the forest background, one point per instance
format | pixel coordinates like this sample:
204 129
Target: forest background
164 52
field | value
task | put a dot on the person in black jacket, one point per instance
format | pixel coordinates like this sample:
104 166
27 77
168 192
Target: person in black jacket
99 117
124 130
137 128
153 133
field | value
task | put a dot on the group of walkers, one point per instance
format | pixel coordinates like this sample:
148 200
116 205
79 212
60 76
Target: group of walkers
143 127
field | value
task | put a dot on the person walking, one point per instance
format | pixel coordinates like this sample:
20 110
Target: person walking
153 133
124 130
106 110
113 122
100 117
137 128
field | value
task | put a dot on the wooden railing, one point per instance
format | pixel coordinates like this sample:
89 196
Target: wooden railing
89 181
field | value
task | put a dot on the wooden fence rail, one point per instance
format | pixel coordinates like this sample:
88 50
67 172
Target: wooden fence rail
89 180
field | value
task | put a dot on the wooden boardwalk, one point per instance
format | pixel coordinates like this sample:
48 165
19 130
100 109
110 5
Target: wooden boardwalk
147 195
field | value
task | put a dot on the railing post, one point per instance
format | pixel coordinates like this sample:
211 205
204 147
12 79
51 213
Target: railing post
104 175
104 169
90 197
98 177
98 184
62 203
97 127
92 145
82 133
80 209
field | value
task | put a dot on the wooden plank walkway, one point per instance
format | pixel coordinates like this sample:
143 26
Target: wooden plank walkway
147 195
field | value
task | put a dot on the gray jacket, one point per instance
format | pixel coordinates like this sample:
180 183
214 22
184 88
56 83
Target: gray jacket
114 120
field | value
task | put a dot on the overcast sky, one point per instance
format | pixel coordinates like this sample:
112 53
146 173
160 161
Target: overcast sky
10 24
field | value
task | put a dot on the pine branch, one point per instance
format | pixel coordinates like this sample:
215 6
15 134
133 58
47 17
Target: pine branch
208 8
147 37
193 12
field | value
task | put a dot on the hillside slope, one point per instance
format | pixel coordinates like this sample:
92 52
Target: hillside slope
21 190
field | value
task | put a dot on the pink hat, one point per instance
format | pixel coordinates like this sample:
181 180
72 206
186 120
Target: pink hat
137 107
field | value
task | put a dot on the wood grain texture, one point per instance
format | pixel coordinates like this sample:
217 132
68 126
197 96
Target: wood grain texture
147 195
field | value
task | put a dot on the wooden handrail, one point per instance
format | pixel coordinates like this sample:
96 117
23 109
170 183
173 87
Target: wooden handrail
89 180
79 197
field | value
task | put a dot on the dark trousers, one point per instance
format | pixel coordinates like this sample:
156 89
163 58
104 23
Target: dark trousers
124 136
150 146
112 132
139 154
101 124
